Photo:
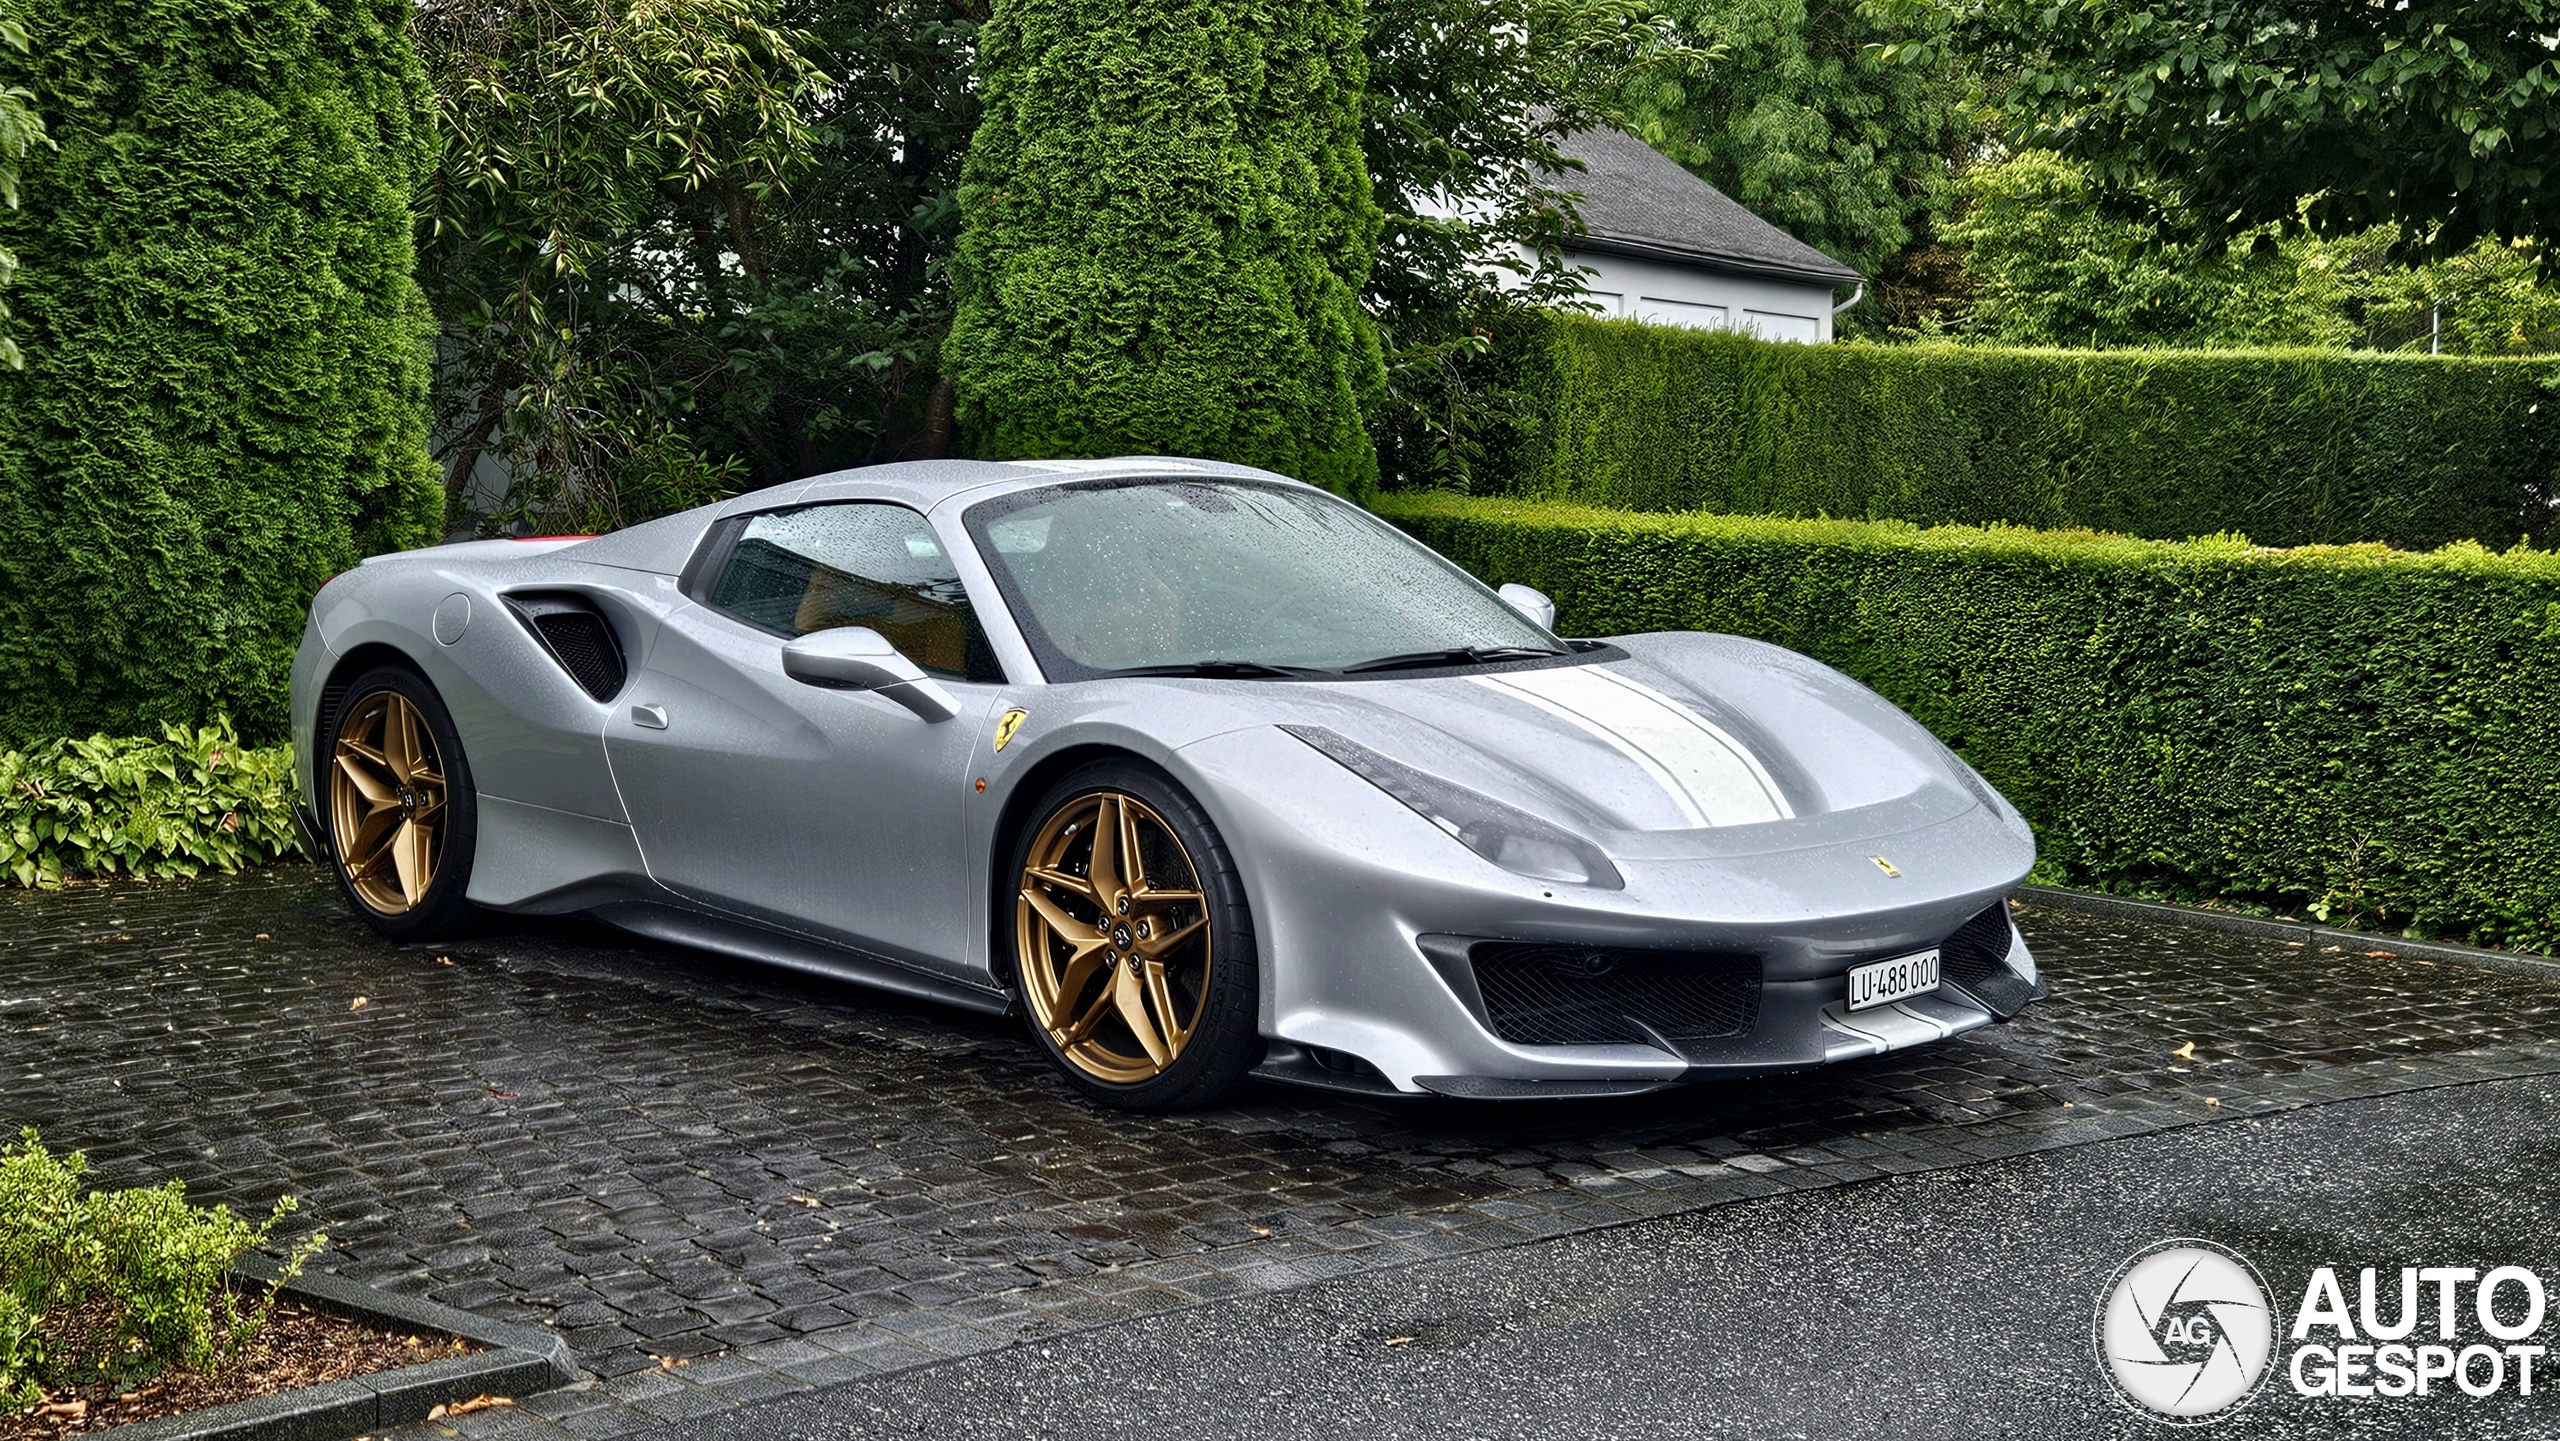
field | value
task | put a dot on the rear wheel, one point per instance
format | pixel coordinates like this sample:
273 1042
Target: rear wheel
402 819
1132 944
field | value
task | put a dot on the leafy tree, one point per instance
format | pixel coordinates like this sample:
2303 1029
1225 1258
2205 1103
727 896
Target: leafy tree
2434 117
1467 102
224 398
1166 225
2049 266
1803 123
598 177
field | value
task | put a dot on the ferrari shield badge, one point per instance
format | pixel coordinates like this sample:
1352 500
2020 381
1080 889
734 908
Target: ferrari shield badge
1007 724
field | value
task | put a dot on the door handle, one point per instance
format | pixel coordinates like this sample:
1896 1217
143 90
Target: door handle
649 717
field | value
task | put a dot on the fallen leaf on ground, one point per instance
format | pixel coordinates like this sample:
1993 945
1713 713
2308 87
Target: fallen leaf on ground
670 1363
444 960
465 1408
357 1004
806 1200
264 936
2186 1052
502 1095
2213 1100
2382 953
1259 1230
70 1410
1399 1340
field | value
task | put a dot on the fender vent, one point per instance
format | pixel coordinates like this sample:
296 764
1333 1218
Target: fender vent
1976 960
578 637
1540 995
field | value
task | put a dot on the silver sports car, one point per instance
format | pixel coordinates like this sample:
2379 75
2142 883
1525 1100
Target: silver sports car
1206 772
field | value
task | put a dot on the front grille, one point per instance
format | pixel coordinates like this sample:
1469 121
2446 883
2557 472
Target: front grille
1543 995
579 637
1976 960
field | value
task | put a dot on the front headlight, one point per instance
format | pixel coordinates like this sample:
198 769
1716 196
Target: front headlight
1505 835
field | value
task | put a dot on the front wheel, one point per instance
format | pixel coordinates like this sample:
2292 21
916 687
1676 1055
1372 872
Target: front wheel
403 820
1132 944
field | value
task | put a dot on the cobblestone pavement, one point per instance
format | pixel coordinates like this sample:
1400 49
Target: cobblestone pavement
724 1183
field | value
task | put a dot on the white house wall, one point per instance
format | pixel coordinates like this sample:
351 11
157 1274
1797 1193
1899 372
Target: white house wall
1626 288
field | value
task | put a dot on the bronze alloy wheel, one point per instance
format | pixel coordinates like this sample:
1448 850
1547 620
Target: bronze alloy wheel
1112 934
387 802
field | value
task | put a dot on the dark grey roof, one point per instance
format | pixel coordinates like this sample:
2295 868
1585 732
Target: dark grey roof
1638 201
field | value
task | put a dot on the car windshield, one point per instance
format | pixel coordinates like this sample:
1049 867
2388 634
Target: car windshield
1254 579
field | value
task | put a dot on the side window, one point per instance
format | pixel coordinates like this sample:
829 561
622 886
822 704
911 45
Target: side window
864 563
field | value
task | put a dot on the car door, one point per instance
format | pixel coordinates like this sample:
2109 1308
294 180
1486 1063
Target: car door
834 813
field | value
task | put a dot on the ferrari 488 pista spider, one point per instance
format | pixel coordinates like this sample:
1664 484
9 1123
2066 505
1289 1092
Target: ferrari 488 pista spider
1207 773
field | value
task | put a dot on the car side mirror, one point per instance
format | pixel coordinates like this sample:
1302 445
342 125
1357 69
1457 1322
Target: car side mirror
857 657
1531 603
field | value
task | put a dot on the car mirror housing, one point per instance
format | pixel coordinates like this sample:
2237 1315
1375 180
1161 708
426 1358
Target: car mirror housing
859 658
1531 603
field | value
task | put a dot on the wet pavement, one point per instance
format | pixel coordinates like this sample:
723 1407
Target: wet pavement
783 1183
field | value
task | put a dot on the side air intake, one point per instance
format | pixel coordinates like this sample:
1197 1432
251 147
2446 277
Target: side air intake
578 636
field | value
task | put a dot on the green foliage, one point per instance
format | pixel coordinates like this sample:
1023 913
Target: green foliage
2290 446
224 397
1801 122
21 130
1467 100
1167 222
2366 732
114 1286
2435 117
2051 267
191 801
638 311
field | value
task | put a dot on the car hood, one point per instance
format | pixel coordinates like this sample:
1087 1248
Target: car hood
1663 744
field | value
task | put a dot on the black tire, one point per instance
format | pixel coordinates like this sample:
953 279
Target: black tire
440 911
1225 1039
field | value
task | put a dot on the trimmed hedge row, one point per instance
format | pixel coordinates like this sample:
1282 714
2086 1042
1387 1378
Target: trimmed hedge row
2371 734
2289 447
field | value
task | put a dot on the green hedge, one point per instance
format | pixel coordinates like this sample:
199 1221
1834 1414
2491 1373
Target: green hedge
2372 734
224 399
2293 447
1166 222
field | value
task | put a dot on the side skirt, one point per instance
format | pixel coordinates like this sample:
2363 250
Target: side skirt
753 943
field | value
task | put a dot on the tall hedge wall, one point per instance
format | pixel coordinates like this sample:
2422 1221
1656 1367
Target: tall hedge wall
2287 447
2369 732
1166 222
224 394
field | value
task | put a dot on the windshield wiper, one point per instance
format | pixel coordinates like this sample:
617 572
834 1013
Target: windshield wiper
1217 670
1458 655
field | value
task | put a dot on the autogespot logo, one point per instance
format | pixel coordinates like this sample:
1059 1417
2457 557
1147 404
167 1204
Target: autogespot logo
2184 1332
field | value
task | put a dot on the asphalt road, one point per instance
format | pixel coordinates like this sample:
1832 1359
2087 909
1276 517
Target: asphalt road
1957 1303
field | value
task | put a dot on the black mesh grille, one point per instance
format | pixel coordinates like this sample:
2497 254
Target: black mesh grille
585 646
1976 959
579 637
1538 995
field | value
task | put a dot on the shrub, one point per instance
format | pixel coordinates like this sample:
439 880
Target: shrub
2371 734
224 394
193 800
111 1287
2290 447
1166 221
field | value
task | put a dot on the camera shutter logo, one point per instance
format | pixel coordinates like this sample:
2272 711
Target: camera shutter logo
2184 1332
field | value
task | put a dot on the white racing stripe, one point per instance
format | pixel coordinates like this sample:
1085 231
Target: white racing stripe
1713 778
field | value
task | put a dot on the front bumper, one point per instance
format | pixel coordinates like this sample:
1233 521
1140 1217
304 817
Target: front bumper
1357 903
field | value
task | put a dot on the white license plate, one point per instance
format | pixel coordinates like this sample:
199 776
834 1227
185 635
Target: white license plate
1898 979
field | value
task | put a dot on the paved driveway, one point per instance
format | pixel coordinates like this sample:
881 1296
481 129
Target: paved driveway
784 1183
